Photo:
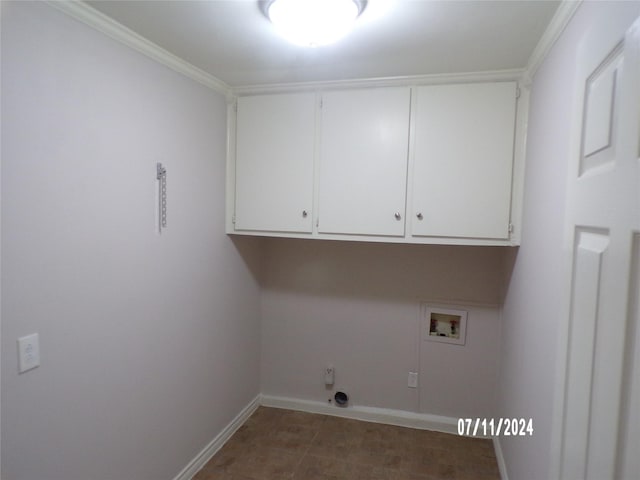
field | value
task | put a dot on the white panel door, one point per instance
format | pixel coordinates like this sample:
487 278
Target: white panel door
363 161
274 163
600 411
463 159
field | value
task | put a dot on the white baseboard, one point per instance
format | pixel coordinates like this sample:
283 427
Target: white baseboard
502 466
216 444
369 414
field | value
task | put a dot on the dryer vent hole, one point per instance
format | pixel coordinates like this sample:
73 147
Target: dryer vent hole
341 398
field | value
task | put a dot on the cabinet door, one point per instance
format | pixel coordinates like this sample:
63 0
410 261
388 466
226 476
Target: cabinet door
461 185
363 161
274 163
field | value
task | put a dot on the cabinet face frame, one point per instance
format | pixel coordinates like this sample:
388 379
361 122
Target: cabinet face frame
518 161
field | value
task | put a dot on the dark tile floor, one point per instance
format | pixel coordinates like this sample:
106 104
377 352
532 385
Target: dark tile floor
277 444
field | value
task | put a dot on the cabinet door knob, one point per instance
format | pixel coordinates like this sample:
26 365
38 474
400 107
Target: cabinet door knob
398 216
304 214
419 215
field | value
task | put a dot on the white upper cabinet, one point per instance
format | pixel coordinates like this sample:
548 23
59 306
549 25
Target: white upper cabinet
462 160
363 162
423 164
274 163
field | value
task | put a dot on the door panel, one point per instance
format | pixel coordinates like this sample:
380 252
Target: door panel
463 160
603 217
629 459
599 113
363 161
274 163
590 248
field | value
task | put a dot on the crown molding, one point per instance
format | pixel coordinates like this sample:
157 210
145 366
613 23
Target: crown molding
400 81
558 23
105 24
101 22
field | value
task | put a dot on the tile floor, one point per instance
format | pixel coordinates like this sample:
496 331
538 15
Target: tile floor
277 444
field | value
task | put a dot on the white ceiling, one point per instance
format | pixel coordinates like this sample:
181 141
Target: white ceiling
233 41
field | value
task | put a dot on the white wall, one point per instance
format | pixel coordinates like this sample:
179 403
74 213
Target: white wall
149 343
533 304
356 305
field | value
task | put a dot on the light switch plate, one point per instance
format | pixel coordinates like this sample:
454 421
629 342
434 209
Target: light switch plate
28 352
413 380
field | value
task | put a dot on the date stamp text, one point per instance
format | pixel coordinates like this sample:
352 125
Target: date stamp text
494 427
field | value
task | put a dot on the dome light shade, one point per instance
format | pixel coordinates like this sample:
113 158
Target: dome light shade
313 23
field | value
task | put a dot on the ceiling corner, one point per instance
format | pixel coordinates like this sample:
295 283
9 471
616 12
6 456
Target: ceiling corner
105 24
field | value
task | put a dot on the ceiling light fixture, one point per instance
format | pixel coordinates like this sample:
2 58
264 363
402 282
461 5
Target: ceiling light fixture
313 23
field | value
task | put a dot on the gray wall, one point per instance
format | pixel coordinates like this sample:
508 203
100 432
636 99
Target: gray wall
534 302
149 343
357 306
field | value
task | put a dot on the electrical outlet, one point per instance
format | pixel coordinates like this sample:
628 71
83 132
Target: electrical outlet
413 380
329 375
28 352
